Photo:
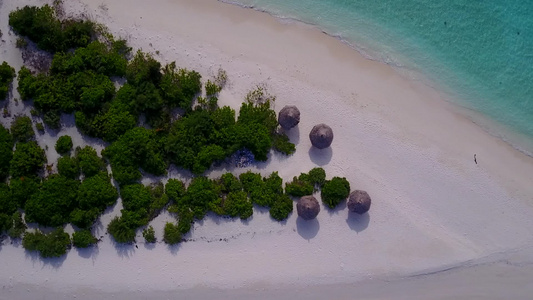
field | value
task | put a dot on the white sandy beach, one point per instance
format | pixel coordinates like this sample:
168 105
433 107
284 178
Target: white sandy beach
437 219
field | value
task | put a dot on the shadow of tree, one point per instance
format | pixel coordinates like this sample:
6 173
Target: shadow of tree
54 262
89 252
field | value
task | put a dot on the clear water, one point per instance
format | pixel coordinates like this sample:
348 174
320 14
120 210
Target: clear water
482 50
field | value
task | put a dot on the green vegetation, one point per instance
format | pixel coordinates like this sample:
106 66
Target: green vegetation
172 234
281 208
236 202
141 204
40 127
22 188
300 186
137 148
42 26
7 73
54 244
90 163
18 228
306 183
317 176
83 239
68 167
156 118
55 201
64 144
21 129
149 234
95 194
28 160
6 152
335 191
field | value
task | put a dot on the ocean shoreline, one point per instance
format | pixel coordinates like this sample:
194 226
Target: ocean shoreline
512 136
434 206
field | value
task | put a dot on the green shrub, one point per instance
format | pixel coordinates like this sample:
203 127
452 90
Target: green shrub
7 204
83 239
52 205
230 183
335 191
18 228
6 152
41 25
137 148
175 190
136 197
40 127
185 220
159 199
123 228
28 160
90 163
7 73
179 86
237 204
211 88
317 176
21 129
69 167
299 187
149 234
64 144
84 218
201 196
261 191
95 194
171 234
22 188
281 143
281 208
54 244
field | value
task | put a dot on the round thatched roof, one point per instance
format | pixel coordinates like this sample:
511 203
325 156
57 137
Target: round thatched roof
289 116
359 202
321 136
308 207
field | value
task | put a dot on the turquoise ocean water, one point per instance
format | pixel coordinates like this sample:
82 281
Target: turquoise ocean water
480 51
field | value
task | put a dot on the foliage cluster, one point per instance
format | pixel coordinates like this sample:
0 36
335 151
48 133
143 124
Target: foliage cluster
335 191
6 152
41 25
28 160
64 144
54 244
171 234
137 148
83 239
141 204
149 234
7 73
21 129
306 183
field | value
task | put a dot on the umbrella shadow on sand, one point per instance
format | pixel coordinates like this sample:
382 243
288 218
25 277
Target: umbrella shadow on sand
307 229
358 222
320 157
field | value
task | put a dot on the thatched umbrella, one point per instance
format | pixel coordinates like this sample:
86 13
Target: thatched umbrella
321 136
308 207
289 116
359 202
